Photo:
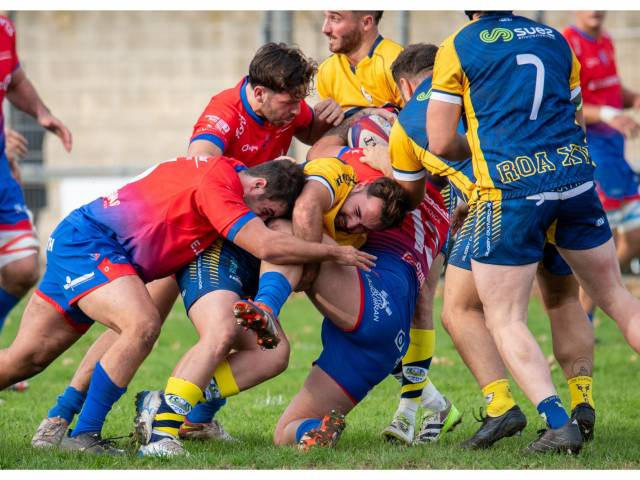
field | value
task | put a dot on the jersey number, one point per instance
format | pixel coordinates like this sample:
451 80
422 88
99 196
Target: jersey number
530 59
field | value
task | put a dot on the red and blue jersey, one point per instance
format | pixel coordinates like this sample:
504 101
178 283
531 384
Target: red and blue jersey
234 127
172 212
421 235
8 63
602 86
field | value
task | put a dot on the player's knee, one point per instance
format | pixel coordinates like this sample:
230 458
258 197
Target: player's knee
19 277
281 360
147 331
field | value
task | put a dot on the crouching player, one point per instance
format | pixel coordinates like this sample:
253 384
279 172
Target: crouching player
101 255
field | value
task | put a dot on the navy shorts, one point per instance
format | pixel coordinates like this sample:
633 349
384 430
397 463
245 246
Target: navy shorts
361 358
222 266
514 231
81 257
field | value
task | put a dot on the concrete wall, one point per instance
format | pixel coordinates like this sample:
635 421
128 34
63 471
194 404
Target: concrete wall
130 85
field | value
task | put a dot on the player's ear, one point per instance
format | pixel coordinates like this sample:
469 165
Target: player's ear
359 187
367 22
259 183
405 89
259 93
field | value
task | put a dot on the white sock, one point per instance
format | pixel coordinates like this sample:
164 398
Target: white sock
408 407
432 399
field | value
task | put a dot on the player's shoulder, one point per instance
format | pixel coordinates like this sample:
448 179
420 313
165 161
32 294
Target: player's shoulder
329 64
388 49
324 164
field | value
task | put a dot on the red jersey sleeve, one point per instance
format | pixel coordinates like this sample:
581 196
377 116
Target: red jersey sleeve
304 118
217 124
219 198
10 42
352 156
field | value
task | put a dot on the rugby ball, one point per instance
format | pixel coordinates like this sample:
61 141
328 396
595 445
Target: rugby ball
369 131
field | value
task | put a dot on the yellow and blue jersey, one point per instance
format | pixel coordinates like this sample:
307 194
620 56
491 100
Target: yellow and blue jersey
408 147
516 81
368 84
339 179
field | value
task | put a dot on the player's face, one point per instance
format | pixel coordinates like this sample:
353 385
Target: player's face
360 213
280 108
263 208
343 30
591 19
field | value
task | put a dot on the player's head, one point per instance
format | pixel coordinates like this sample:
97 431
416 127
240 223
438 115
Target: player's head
412 66
473 14
272 187
280 76
373 206
346 29
591 20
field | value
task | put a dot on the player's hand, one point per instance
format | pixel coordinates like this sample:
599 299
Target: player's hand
636 102
626 125
383 112
458 217
16 145
51 123
348 255
309 275
329 111
378 158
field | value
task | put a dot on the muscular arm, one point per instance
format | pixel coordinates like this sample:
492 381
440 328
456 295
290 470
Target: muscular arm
23 95
308 210
327 114
284 249
330 144
203 148
630 99
442 128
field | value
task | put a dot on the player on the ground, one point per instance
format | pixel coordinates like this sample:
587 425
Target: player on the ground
604 100
254 122
355 208
540 182
358 74
367 320
19 269
462 310
101 255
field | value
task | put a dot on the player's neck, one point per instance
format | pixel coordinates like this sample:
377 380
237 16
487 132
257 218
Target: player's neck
363 49
592 32
253 102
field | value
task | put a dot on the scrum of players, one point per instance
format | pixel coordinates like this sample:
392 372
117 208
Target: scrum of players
485 168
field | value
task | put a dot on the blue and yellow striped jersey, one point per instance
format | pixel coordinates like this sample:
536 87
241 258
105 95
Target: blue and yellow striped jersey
368 84
408 147
515 80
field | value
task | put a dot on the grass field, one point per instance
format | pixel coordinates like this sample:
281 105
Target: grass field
251 416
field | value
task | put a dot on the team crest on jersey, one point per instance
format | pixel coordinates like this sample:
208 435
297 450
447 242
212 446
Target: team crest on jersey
111 200
216 122
499 33
424 96
366 94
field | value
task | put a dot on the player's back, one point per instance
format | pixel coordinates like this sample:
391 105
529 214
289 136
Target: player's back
515 79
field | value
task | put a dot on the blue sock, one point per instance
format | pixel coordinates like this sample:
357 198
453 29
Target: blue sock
553 412
273 291
305 426
102 394
68 405
204 412
7 302
591 315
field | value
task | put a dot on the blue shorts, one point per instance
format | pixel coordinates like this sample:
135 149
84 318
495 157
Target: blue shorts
222 266
514 231
460 255
361 358
451 201
80 260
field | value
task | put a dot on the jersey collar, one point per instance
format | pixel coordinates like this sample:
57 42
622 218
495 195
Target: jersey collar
245 102
584 35
375 45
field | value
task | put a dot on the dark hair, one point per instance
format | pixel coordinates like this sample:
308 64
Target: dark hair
285 180
395 200
414 60
282 69
376 14
470 13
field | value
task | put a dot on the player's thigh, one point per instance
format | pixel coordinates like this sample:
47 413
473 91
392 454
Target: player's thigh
24 271
43 334
557 290
459 292
163 292
123 305
318 396
212 316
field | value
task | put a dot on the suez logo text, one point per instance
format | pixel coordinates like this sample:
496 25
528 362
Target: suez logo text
506 34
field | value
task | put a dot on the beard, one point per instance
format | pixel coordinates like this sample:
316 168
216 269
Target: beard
348 42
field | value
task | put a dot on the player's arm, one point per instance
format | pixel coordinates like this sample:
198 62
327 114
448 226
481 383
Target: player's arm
407 168
314 200
630 99
442 128
326 114
204 148
23 95
16 147
331 143
284 249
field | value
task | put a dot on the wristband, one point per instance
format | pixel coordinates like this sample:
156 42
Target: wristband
606 113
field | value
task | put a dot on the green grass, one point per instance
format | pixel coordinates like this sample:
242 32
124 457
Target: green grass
251 416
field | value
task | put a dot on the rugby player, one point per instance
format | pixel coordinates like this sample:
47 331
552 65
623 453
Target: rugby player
462 314
253 122
540 182
19 269
358 74
356 208
604 100
100 256
364 333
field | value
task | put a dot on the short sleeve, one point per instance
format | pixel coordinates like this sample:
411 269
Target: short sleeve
335 175
405 163
447 75
217 124
321 83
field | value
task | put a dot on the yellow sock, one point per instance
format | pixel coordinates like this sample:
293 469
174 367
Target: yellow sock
581 390
416 363
226 382
180 396
498 397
